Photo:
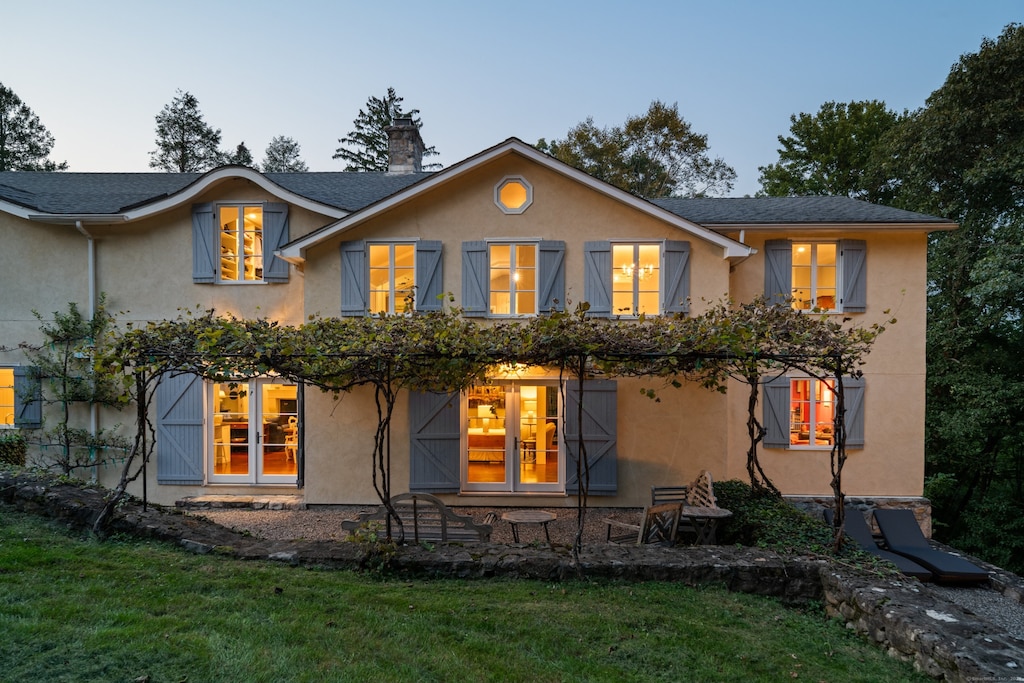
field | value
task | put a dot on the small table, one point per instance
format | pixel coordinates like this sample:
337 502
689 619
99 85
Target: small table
516 517
705 521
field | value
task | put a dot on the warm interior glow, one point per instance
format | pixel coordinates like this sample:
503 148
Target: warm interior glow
512 195
7 396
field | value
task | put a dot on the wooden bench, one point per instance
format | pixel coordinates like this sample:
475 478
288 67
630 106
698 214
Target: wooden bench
424 518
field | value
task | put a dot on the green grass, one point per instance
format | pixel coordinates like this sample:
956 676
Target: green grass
73 609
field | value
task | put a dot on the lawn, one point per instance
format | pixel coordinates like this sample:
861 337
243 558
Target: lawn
73 609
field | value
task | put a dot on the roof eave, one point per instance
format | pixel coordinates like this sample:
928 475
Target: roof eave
846 226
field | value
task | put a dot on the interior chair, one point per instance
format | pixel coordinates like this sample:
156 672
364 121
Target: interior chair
902 535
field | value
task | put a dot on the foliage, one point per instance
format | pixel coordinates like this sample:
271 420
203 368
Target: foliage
13 448
654 155
129 610
366 147
764 519
960 157
64 363
282 156
242 157
830 153
24 140
185 143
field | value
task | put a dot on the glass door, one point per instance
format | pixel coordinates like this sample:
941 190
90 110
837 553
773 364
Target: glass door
512 439
255 432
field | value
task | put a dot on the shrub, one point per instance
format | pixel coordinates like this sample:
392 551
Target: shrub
766 520
13 449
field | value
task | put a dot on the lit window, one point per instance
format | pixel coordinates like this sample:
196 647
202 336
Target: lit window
7 407
392 274
241 243
513 195
636 279
814 276
812 411
513 279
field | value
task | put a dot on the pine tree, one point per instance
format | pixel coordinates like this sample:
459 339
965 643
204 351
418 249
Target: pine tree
366 147
242 157
24 141
185 142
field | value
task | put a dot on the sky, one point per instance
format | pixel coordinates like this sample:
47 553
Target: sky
97 73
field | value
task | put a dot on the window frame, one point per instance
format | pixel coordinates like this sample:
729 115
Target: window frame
851 273
513 290
636 277
392 293
777 413
26 392
673 285
428 275
13 406
206 243
815 268
550 277
240 235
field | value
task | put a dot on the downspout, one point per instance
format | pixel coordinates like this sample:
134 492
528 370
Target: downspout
94 411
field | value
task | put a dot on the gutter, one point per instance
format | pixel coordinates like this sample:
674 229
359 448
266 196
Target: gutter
94 409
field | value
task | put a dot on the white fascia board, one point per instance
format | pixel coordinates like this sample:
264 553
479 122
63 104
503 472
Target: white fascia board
295 252
833 227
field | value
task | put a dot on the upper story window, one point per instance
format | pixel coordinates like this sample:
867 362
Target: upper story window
241 242
513 195
508 278
235 242
513 279
828 276
634 278
7 397
392 277
20 398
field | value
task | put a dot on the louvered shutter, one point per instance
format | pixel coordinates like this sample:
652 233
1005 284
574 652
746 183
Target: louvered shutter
600 409
435 438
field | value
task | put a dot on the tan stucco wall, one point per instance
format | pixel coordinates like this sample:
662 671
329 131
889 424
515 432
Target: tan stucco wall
892 461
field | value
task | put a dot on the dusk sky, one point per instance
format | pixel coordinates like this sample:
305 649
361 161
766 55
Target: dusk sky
97 73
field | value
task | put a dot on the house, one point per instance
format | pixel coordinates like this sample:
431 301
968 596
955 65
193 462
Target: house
511 233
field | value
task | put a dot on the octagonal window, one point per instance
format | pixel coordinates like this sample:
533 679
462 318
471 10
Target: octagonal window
513 195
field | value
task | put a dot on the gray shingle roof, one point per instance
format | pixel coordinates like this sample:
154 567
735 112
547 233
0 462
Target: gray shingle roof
788 210
112 193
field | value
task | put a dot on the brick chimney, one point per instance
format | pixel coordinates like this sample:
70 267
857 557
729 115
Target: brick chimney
405 147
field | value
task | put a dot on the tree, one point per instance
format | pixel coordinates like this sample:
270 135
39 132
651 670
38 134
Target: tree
282 156
24 141
242 157
961 157
830 153
654 155
366 147
185 143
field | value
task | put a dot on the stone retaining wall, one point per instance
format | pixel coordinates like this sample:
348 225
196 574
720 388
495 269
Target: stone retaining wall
903 616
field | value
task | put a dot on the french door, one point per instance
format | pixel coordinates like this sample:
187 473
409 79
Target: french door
511 439
255 432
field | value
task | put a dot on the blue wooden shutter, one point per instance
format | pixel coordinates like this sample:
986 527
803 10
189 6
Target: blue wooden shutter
435 438
677 277
28 399
776 412
853 398
853 254
179 430
205 252
476 288
275 236
354 278
551 273
778 271
597 277
429 275
599 436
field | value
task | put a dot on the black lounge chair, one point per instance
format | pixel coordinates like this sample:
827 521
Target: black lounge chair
856 527
902 535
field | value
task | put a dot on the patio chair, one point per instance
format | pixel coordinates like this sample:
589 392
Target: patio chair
856 527
903 535
657 526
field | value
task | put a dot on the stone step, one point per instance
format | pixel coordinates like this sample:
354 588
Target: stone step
259 502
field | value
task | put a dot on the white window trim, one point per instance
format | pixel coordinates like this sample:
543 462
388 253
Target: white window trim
217 206
512 243
813 403
839 287
391 272
507 180
636 244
